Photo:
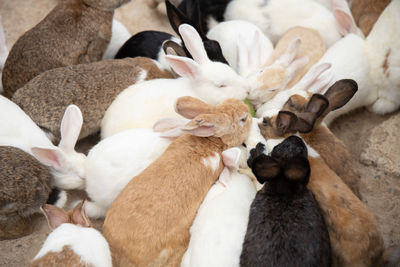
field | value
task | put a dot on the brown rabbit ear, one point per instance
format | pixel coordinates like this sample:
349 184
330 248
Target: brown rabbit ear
297 169
190 107
285 122
54 215
79 216
172 48
206 125
340 93
265 167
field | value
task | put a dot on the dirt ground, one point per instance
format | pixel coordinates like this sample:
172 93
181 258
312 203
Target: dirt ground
380 187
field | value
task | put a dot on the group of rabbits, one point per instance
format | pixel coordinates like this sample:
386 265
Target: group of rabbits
215 148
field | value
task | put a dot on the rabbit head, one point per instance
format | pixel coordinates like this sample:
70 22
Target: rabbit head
106 5
67 166
230 121
212 81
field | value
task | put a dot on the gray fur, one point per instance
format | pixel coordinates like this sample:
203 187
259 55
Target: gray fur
24 187
92 87
74 32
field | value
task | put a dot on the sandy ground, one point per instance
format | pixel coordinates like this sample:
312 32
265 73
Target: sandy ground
380 188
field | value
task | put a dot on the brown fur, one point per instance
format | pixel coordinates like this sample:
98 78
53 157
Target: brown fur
92 87
65 258
312 46
72 33
148 223
367 12
385 64
353 230
24 187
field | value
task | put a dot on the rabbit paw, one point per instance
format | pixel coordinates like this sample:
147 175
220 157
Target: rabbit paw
383 106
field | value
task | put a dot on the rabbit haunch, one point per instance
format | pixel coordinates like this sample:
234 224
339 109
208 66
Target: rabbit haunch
92 87
153 233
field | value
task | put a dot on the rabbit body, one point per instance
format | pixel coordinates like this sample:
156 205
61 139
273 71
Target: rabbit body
92 87
74 32
113 162
217 232
25 185
119 35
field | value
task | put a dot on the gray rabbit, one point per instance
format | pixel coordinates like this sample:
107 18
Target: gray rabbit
74 32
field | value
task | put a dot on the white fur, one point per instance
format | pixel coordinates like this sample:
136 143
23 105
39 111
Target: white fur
87 243
62 199
218 230
212 162
230 34
113 162
275 17
119 35
141 105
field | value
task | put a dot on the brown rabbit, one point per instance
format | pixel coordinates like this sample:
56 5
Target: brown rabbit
24 187
148 223
92 87
367 12
73 242
74 32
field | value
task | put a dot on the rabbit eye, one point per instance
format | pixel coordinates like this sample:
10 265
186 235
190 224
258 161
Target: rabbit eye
244 119
222 86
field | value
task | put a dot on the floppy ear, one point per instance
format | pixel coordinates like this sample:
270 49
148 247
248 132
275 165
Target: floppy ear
50 156
190 107
297 169
205 125
168 124
343 16
317 104
230 157
265 167
193 43
183 66
314 81
54 215
340 93
172 48
285 122
70 129
79 216
290 53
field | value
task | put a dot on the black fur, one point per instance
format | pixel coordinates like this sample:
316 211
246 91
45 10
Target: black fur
286 227
53 197
143 44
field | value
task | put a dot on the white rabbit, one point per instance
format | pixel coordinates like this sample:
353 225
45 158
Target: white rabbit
218 230
275 17
3 52
66 165
73 242
114 161
256 47
140 105
119 35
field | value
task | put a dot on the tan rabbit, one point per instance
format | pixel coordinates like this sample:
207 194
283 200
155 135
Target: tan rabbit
367 12
92 87
148 223
74 32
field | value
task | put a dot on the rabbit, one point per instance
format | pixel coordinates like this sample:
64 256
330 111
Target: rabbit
73 242
92 87
74 32
148 227
286 226
239 36
25 185
3 53
66 165
119 35
275 17
140 105
367 12
218 230
150 43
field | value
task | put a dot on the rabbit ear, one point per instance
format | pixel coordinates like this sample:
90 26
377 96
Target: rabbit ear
175 16
314 80
265 167
183 66
340 93
79 216
343 16
231 156
297 169
289 55
3 47
285 122
225 177
168 124
172 48
54 215
50 156
193 43
71 125
190 107
242 56
295 67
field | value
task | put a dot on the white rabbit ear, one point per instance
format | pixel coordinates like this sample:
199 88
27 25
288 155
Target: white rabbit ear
321 83
295 67
193 43
168 124
290 54
50 156
242 56
343 16
55 216
70 129
183 66
225 177
231 156
312 76
255 51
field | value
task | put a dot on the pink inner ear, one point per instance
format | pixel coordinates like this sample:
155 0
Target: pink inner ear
344 21
47 156
225 177
54 215
202 131
184 67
